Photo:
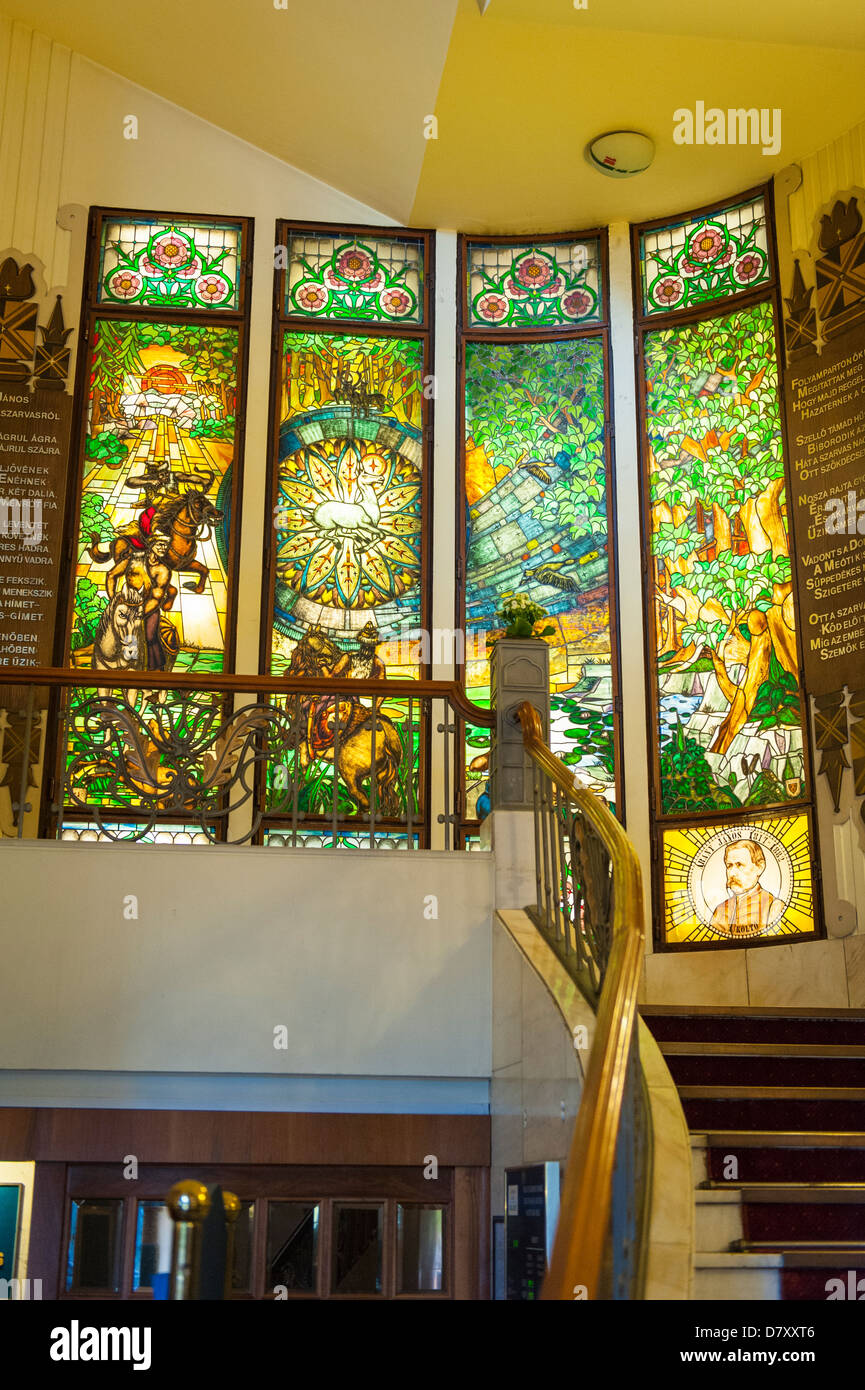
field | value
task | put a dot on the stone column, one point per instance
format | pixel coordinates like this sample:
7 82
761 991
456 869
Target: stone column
520 670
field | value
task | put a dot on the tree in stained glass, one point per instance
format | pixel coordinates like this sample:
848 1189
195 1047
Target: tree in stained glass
374 280
536 483
731 732
547 285
704 259
169 265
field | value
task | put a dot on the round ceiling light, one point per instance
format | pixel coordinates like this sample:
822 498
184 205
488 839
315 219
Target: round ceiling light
621 153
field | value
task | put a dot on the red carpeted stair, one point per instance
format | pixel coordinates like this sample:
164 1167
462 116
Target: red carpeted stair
784 1093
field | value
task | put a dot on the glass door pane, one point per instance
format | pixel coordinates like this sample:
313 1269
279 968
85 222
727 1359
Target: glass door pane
292 1245
94 1244
357 1248
420 1249
154 1232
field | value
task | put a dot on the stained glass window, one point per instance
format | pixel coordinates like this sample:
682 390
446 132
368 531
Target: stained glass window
348 545
363 278
169 265
158 455
548 284
738 881
536 487
730 752
151 587
347 517
730 724
703 259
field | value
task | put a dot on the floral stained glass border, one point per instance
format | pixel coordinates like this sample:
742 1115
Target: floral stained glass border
548 284
705 259
169 265
358 278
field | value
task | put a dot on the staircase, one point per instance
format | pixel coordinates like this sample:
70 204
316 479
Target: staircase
775 1103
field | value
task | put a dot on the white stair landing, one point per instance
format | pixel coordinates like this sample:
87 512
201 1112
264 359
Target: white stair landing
734 1278
719 1219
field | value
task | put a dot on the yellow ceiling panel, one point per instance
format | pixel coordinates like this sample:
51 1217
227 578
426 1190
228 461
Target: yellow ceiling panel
520 99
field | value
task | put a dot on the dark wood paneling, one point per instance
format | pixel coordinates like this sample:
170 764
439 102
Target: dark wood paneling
249 1181
212 1137
46 1224
471 1263
16 1134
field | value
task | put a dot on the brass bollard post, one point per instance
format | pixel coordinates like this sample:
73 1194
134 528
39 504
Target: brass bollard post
232 1207
188 1203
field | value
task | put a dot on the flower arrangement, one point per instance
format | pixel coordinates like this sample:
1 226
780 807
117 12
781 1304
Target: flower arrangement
520 616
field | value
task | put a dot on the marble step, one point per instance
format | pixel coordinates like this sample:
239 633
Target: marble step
718 1219
735 1278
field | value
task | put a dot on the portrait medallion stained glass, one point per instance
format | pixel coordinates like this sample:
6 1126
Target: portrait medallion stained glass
738 882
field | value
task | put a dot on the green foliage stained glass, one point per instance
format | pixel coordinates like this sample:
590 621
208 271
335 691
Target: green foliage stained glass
536 481
728 686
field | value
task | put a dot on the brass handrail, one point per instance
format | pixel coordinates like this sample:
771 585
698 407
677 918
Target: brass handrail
251 684
586 1200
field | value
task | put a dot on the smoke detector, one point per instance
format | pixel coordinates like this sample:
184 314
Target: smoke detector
621 153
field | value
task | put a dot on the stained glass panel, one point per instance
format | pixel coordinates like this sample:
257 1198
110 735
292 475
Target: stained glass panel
109 832
316 839
738 882
163 265
536 484
348 510
347 600
156 497
365 278
542 285
705 258
727 671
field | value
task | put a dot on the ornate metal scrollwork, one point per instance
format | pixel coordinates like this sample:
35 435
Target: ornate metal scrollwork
182 756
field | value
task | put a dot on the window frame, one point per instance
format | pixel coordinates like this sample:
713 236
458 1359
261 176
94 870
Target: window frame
474 333
329 1187
768 291
92 312
423 332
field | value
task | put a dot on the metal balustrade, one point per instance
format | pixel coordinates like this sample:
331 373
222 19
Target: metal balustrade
589 909
238 758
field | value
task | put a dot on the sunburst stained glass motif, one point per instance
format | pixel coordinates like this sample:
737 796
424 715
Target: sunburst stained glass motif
361 278
730 722
170 265
738 882
705 258
536 489
348 512
347 599
547 284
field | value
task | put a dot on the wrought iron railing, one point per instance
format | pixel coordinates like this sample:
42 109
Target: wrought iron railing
589 908
234 758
